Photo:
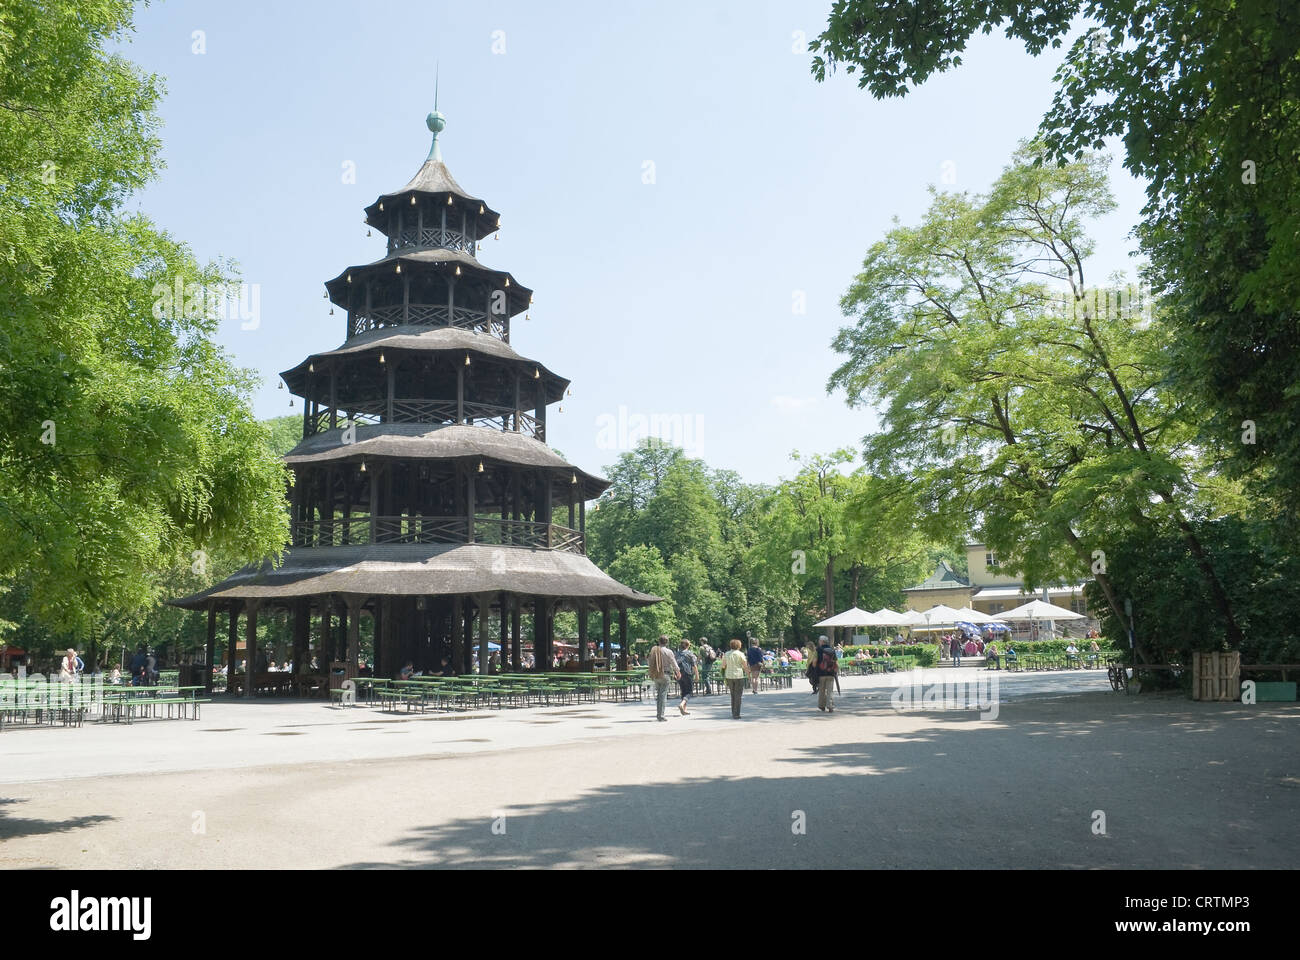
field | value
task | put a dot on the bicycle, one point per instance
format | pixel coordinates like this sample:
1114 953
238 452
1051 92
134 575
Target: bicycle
1117 674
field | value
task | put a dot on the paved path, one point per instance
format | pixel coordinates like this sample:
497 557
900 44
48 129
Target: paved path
1180 784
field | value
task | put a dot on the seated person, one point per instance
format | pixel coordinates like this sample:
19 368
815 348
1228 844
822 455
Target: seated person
991 654
1010 654
861 654
407 671
1071 652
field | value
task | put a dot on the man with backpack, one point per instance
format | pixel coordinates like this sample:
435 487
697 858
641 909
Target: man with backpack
687 665
754 657
663 667
828 675
708 657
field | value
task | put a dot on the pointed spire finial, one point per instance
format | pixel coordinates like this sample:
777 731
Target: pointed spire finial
436 122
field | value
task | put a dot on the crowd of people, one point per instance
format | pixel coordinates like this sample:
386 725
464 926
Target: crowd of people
740 663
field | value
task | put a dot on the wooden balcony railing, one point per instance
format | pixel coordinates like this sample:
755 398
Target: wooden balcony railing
358 531
500 417
428 315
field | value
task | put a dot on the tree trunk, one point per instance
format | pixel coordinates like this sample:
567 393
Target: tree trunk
1108 590
853 589
1221 601
830 587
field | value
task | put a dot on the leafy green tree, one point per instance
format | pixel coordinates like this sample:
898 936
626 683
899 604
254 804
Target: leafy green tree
1204 98
645 567
707 526
1173 613
127 442
1019 401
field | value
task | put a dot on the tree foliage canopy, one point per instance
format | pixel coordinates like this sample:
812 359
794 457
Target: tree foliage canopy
1205 98
127 441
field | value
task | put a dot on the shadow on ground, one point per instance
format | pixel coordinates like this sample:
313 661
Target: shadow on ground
1155 784
12 827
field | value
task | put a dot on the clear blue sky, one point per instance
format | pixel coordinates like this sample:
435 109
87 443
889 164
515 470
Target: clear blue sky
671 298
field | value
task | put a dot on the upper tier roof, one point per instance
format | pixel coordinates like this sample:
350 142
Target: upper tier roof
431 340
443 441
435 180
517 295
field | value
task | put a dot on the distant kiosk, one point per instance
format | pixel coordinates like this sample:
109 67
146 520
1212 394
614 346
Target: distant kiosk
424 494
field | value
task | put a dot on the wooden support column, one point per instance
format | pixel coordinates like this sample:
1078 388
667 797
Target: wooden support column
334 413
583 656
325 653
392 387
541 641
354 633
301 626
573 506
622 634
460 393
232 641
517 411
484 611
605 639
541 411
406 299
504 642
250 647
457 649
385 655
467 631
471 483
210 650
516 644
373 481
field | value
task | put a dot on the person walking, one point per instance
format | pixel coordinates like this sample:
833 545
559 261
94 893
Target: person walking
663 667
754 657
734 665
956 650
68 667
708 656
828 670
687 666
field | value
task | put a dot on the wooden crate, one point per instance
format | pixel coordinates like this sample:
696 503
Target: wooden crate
1216 676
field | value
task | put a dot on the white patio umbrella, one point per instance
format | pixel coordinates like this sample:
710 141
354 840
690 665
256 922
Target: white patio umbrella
941 615
890 617
854 617
1040 610
971 615
851 618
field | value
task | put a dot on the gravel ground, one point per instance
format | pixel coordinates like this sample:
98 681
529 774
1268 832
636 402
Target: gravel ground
1068 774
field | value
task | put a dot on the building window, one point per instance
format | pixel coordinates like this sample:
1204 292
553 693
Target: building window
996 607
1078 604
990 561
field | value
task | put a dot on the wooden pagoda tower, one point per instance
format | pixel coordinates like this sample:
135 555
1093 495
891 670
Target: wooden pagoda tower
424 495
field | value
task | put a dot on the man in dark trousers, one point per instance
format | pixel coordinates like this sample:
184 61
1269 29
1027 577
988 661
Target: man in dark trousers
828 674
754 657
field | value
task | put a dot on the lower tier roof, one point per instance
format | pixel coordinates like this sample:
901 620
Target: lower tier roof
420 570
